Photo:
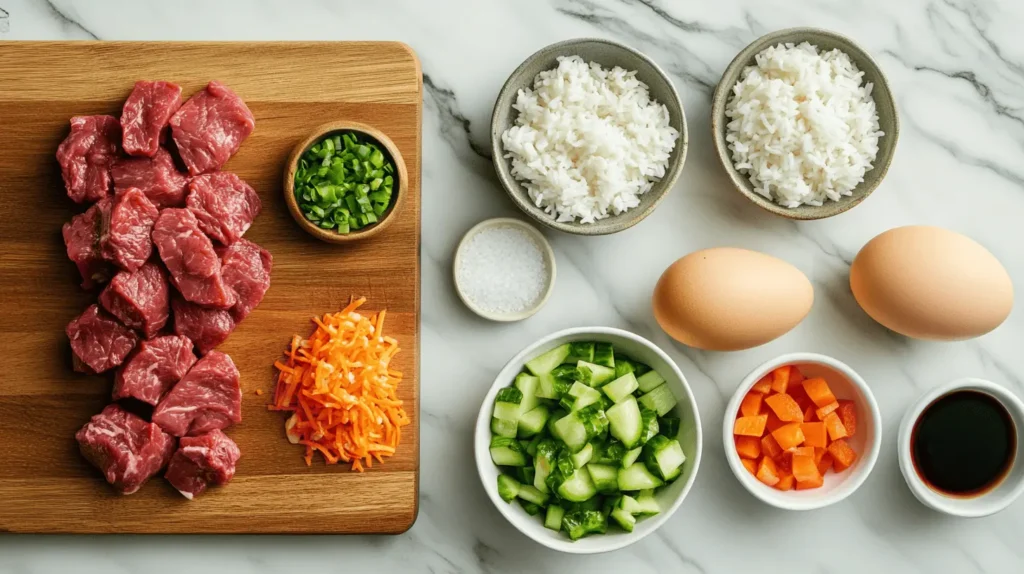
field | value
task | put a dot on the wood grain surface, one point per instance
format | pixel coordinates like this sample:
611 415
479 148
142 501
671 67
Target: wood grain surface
45 485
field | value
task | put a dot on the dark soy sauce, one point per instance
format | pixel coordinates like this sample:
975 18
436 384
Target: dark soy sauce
964 443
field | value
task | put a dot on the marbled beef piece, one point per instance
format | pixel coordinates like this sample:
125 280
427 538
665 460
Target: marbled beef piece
146 113
224 205
207 398
190 259
127 243
125 448
154 368
205 326
83 237
246 270
85 157
210 127
156 176
202 461
139 299
98 341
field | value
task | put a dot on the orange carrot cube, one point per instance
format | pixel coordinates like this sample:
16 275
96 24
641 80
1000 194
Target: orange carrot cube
789 436
769 447
847 412
750 426
809 413
825 410
824 463
804 469
763 386
796 378
799 394
834 426
785 482
748 447
815 434
774 421
750 465
751 405
801 450
843 455
785 408
818 453
780 379
767 472
784 462
819 392
810 484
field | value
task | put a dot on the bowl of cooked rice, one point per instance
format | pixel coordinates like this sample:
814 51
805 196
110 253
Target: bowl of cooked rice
588 136
804 123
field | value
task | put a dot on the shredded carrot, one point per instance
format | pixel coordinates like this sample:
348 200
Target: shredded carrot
340 390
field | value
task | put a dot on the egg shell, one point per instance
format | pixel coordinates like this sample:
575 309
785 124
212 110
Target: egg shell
931 283
727 299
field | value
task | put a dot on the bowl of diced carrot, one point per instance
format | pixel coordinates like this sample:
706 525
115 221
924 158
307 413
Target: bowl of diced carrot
802 432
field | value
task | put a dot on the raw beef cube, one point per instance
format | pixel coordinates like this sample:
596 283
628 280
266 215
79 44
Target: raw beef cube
140 299
125 448
86 154
189 256
210 127
157 177
246 270
207 398
201 461
205 326
98 341
128 243
145 115
224 205
83 237
154 368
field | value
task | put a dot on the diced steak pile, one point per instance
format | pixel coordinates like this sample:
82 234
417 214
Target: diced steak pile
181 277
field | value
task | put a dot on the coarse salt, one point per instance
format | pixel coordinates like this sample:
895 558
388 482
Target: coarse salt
502 270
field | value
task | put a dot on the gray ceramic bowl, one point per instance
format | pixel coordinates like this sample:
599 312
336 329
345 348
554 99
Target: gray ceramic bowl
888 119
607 54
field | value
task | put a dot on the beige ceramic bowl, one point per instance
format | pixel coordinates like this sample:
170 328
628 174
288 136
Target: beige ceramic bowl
885 105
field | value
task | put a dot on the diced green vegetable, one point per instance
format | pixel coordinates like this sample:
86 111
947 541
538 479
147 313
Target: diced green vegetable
580 351
640 369
611 453
548 361
580 459
508 487
669 426
527 384
605 477
637 477
660 399
649 425
546 387
630 457
532 422
577 487
623 366
579 523
620 388
626 422
647 504
556 415
553 518
604 355
530 508
531 449
506 404
629 504
592 374
624 519
525 474
507 452
531 494
664 457
504 428
579 396
649 380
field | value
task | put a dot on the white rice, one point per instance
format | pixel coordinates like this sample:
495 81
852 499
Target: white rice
803 126
588 142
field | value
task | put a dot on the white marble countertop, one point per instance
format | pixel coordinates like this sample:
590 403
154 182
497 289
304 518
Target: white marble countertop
957 68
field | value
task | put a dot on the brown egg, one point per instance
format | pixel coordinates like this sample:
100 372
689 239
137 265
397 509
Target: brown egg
726 299
931 283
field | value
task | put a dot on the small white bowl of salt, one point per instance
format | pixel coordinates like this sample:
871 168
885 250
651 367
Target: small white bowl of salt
504 269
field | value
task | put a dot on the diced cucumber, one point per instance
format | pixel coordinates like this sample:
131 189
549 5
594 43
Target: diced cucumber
563 463
623 365
546 387
592 374
660 399
580 459
579 523
553 518
626 422
629 504
506 404
543 464
579 396
624 519
604 355
605 477
570 430
531 494
630 457
611 453
647 504
637 477
504 428
578 487
531 449
545 363
527 384
580 351
649 380
530 508
664 457
556 415
507 452
648 425
525 474
640 369
532 422
669 426
564 377
508 487
620 388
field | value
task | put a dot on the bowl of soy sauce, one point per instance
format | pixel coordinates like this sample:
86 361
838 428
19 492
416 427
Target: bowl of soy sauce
960 448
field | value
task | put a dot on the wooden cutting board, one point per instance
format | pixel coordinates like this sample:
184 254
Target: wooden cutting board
45 485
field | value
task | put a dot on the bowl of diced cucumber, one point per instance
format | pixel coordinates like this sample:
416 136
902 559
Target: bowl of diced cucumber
588 440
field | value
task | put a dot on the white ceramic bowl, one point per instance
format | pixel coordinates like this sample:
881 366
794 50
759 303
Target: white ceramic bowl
546 251
845 384
669 498
988 503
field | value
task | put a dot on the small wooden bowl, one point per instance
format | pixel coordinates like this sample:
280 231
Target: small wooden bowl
398 190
